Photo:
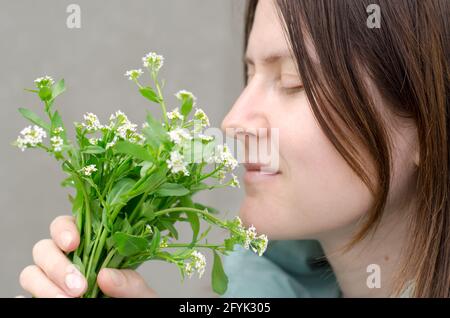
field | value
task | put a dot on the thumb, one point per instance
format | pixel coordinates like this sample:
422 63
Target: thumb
125 283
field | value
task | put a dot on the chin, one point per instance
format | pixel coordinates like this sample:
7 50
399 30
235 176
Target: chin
264 219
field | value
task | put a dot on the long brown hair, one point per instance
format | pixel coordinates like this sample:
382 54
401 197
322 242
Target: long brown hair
407 59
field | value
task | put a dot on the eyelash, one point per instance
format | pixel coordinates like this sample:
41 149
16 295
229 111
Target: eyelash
286 90
292 90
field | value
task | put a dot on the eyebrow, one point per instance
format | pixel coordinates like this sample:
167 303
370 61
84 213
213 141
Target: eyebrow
268 59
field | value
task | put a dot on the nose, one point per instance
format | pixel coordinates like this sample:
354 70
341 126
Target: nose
249 113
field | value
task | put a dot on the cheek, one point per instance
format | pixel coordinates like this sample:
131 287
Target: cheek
317 192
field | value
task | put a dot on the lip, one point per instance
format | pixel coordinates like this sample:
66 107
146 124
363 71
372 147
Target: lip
259 173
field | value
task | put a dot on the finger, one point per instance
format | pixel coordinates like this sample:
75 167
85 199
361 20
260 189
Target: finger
58 268
124 283
65 233
34 281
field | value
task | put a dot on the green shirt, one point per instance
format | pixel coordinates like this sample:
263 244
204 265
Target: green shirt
288 269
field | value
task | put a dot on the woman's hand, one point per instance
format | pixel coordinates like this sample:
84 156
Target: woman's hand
53 275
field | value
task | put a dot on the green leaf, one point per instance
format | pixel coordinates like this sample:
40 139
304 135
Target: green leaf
45 93
155 133
195 224
186 107
146 165
154 181
169 226
202 207
79 264
57 122
34 118
201 186
93 150
137 151
219 279
156 239
172 190
128 245
148 211
119 191
58 88
150 94
229 244
192 217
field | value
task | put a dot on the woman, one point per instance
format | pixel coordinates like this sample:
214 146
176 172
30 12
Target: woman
361 110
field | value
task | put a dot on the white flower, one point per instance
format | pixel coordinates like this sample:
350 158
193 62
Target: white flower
175 114
235 182
45 81
199 261
125 129
91 122
188 269
153 61
250 235
163 243
31 136
179 135
177 164
196 262
88 170
94 141
58 130
148 227
223 156
238 221
136 138
204 137
57 143
201 116
118 118
134 74
183 94
260 244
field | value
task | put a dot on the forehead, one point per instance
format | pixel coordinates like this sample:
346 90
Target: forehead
267 40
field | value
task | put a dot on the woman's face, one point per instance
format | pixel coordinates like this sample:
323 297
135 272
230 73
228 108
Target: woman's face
314 190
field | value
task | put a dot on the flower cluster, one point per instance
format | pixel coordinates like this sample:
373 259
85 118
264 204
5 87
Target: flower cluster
45 81
91 122
30 137
197 262
88 170
134 74
153 61
133 187
248 237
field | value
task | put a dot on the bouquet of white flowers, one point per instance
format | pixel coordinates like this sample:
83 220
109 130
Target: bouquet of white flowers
133 187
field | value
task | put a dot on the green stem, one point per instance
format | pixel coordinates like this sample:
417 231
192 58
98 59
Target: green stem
87 225
105 263
209 174
189 245
186 209
163 104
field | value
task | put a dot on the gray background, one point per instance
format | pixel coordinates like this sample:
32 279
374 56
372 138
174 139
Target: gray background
202 43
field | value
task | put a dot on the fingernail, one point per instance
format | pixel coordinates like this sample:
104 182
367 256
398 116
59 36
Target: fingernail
116 276
62 296
66 239
74 280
